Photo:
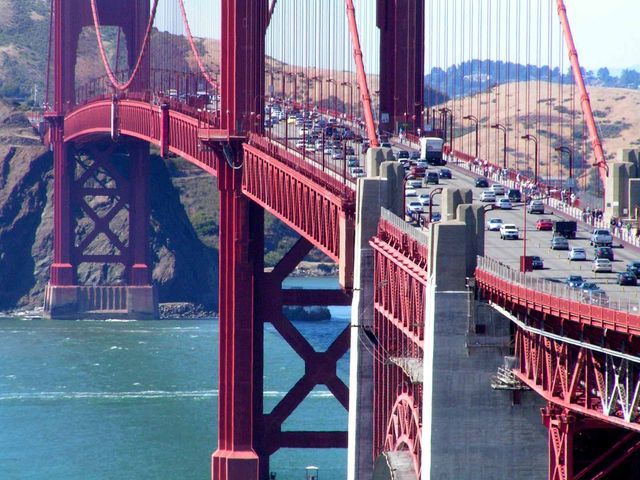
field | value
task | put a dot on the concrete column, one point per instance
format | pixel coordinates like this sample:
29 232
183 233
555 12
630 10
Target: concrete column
370 194
375 157
469 430
451 198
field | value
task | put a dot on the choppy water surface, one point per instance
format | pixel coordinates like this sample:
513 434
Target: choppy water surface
138 400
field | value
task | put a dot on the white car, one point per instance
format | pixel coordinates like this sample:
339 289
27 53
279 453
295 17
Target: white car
504 203
358 172
602 265
410 192
414 207
601 236
509 231
498 189
577 253
488 196
416 183
494 224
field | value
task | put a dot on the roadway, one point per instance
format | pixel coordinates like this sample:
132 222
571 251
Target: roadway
557 267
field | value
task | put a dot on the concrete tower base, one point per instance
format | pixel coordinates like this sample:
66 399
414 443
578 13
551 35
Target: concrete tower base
72 302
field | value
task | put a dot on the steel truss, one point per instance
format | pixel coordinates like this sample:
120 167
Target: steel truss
400 283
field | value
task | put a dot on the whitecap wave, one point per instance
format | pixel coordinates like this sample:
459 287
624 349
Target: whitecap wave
143 394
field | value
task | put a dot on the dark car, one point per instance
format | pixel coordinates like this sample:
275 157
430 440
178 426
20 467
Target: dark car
415 155
432 177
482 182
634 267
604 252
627 278
574 281
403 154
444 173
514 195
536 262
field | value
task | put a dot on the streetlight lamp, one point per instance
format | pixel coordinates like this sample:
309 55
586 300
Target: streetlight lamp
534 139
474 119
503 129
568 150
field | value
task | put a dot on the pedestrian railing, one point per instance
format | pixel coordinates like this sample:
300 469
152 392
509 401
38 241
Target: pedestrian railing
534 283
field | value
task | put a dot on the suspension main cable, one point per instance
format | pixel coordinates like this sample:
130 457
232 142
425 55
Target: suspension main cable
192 44
103 54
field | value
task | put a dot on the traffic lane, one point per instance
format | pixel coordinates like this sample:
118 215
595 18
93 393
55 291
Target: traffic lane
557 265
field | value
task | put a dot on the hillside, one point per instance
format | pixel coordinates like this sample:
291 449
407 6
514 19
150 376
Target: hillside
617 112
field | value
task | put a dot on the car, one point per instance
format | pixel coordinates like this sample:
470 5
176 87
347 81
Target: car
536 206
589 287
414 183
634 267
444 173
482 182
545 224
410 192
514 195
602 265
432 177
577 253
574 281
494 224
604 252
536 262
418 172
414 207
503 203
487 196
402 154
337 155
358 172
385 145
559 243
601 236
353 162
425 199
436 217
627 278
415 155
509 231
498 189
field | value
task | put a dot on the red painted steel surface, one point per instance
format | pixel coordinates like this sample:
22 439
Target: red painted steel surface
505 292
400 283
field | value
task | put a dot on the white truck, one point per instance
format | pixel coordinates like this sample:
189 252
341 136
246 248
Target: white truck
431 150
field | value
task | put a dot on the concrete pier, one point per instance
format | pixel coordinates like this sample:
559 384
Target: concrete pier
72 302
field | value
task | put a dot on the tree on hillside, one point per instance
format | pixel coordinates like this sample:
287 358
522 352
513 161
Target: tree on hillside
604 76
630 78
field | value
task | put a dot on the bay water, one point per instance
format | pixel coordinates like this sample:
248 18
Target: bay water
96 399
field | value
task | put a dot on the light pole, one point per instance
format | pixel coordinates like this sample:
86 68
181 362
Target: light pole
319 79
503 129
534 139
331 80
347 84
444 111
568 150
474 119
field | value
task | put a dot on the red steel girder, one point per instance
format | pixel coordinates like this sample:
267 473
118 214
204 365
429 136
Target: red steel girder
400 289
502 291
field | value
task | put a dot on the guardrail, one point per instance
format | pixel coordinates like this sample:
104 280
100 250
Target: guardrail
555 289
